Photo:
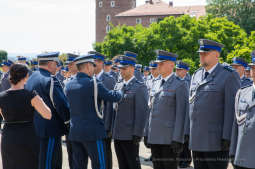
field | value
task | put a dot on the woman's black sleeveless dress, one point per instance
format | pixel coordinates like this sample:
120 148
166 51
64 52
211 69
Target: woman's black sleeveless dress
19 144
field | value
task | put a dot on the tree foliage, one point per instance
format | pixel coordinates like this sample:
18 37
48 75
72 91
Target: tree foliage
241 12
179 35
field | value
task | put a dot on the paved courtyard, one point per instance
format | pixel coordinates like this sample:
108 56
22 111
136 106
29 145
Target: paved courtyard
144 153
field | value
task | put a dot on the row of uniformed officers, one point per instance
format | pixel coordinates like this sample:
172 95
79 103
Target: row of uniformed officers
211 114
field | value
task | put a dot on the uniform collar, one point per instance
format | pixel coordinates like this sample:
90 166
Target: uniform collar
99 74
81 74
44 71
168 77
212 69
127 82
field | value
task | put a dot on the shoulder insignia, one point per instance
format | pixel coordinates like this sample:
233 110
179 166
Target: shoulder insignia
229 68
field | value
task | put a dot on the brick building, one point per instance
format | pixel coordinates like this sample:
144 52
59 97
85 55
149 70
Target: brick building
106 11
128 14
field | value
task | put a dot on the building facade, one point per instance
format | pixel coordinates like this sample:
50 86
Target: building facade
125 12
106 11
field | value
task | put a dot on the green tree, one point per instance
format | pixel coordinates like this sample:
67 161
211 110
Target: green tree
178 35
3 55
241 12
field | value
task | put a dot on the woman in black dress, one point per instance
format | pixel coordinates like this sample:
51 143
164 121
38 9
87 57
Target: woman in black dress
19 144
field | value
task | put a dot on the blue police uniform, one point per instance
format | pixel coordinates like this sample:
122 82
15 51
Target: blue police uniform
211 114
112 73
4 83
185 155
237 61
243 132
109 83
34 65
130 118
87 131
70 59
50 131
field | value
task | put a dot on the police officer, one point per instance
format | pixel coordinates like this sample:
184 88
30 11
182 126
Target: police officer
212 93
109 83
59 75
22 60
138 67
87 131
72 68
108 69
243 133
50 90
146 73
167 115
4 83
154 70
34 65
182 71
239 64
131 114
115 68
247 72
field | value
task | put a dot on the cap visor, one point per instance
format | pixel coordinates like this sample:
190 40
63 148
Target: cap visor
159 61
235 64
122 66
202 51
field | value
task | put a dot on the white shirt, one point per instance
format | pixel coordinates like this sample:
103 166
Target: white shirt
99 74
166 78
211 70
154 78
127 82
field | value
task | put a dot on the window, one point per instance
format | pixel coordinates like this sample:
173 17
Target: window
112 4
108 18
153 20
138 20
108 28
134 4
100 4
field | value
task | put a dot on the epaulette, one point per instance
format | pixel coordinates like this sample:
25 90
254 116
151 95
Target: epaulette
140 82
177 77
248 85
229 68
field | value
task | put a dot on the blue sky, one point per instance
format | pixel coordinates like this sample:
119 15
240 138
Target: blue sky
34 26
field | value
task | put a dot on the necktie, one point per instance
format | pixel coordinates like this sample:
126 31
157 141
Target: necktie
206 74
162 82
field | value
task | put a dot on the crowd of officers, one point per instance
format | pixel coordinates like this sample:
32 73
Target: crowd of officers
208 118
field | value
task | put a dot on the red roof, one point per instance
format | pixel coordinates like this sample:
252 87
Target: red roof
159 8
